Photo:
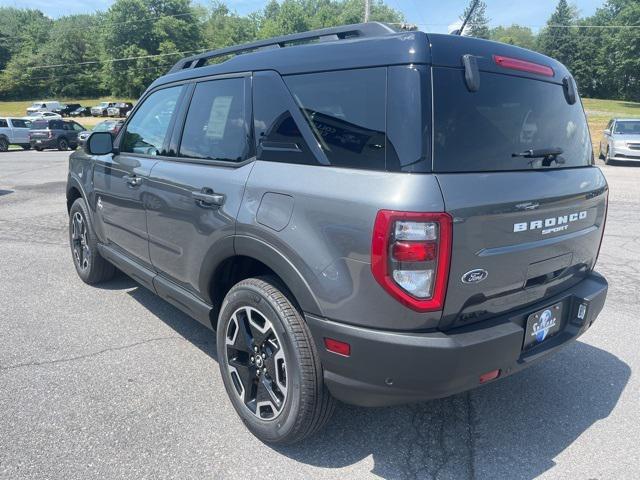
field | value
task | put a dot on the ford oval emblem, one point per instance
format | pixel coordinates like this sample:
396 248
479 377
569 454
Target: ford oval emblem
475 276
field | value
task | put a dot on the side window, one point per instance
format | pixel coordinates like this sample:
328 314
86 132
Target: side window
3 123
66 126
19 123
77 127
277 134
346 111
216 127
56 125
148 128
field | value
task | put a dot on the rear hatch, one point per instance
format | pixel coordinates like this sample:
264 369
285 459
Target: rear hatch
40 129
526 224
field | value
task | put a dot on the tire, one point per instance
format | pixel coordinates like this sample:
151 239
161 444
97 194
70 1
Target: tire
90 265
63 144
38 149
74 146
26 147
300 403
4 145
607 158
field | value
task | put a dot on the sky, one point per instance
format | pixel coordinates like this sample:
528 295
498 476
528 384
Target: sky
429 15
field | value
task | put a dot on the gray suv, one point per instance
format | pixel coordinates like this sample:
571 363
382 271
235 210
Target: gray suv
360 214
56 133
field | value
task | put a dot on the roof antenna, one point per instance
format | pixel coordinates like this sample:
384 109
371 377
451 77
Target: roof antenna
466 19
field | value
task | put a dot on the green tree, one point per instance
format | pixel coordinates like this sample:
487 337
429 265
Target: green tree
478 23
514 35
558 38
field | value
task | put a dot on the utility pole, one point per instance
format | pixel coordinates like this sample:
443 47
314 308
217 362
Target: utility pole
367 10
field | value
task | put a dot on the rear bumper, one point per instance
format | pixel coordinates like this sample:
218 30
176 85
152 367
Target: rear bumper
387 368
44 143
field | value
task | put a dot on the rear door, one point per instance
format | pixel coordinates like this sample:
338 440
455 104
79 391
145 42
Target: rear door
20 130
192 198
120 179
526 224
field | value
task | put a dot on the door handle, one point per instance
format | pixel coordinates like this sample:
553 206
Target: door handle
207 198
133 180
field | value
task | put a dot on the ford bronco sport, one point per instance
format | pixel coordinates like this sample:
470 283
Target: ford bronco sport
360 214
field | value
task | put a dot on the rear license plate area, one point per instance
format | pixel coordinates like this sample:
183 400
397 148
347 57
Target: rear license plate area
543 325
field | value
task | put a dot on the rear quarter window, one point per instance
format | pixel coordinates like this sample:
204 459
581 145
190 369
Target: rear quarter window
481 131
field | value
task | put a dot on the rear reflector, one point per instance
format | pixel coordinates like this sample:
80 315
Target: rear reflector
336 346
492 375
523 65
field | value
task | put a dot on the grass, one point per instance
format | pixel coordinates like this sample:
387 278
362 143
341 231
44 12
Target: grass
599 112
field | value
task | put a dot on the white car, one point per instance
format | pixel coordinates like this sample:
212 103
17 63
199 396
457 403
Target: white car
621 140
43 106
14 131
39 115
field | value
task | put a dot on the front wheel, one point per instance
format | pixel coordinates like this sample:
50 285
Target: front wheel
607 157
63 144
269 363
90 265
26 146
4 145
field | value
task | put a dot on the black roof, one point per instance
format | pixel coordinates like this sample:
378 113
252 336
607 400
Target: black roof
354 46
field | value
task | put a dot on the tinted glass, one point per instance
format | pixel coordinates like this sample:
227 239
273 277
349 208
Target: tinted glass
215 128
19 123
104 126
3 123
346 110
39 124
627 127
77 127
56 124
481 131
277 134
148 128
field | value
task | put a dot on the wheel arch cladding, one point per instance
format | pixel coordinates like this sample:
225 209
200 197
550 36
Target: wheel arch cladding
73 193
251 258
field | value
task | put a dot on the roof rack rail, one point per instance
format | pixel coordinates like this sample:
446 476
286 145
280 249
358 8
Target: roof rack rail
370 29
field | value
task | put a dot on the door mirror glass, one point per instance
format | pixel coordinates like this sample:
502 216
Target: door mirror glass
99 143
607 132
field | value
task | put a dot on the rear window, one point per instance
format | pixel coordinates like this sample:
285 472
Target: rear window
346 111
482 131
39 124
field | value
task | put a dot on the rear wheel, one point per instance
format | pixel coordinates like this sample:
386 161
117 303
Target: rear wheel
269 363
26 146
38 149
90 265
4 145
63 144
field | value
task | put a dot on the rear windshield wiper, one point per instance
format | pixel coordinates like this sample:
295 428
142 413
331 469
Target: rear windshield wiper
548 155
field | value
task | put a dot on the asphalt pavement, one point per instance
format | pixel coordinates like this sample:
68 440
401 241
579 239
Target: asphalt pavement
111 382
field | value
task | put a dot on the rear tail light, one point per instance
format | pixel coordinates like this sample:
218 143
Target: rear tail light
410 256
523 65
50 134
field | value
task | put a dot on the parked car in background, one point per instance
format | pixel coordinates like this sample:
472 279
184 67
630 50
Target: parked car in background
43 106
66 109
56 133
14 131
101 110
81 112
37 115
111 126
120 109
621 140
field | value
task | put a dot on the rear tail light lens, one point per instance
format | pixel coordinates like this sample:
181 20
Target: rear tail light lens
410 256
50 135
523 65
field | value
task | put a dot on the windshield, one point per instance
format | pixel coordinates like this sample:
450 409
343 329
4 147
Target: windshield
104 126
104 104
629 127
495 128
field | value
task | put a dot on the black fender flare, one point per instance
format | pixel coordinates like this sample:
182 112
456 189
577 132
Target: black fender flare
265 253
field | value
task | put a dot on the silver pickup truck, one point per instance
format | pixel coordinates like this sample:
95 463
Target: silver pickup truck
14 131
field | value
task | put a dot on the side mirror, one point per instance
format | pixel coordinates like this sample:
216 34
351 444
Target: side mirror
99 143
607 132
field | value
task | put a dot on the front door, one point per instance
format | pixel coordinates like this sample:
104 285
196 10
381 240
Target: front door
193 199
120 178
